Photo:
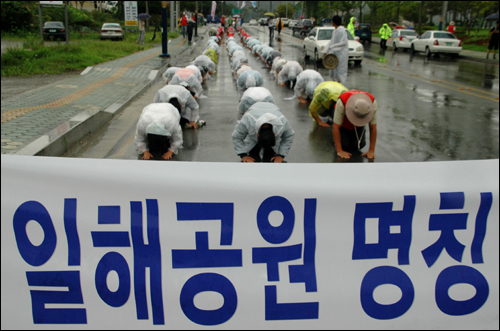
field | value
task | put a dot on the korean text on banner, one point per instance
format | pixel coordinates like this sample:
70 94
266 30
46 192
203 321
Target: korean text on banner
381 246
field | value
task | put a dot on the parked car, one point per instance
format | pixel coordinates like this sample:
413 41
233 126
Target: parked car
364 32
292 23
315 43
263 21
285 21
303 27
111 31
54 30
437 42
402 38
253 22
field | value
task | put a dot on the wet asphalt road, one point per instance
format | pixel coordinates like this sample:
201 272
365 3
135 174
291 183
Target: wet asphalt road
430 109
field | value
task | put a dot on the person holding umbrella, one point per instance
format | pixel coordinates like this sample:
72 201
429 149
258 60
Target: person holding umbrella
142 31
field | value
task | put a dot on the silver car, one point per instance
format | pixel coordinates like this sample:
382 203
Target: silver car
402 38
292 23
111 31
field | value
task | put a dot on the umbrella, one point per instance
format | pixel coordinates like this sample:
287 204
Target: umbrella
269 14
237 15
492 17
143 16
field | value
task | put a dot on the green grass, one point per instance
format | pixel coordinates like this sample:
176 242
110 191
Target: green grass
85 49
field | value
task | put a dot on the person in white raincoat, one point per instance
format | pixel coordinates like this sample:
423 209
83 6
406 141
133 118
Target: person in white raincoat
339 46
307 81
197 71
249 78
243 68
203 60
189 76
252 96
158 134
263 127
288 75
169 73
189 112
278 64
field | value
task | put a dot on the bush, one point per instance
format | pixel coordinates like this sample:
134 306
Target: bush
15 16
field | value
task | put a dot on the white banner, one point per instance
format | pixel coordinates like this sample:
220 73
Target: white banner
117 244
243 4
214 5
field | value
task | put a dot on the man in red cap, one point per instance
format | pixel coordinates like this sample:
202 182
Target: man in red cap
354 109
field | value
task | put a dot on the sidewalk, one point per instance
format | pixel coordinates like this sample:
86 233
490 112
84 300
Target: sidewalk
464 54
51 119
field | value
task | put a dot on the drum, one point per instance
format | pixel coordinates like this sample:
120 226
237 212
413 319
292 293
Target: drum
331 61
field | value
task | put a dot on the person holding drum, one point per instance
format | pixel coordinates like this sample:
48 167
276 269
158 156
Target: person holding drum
338 46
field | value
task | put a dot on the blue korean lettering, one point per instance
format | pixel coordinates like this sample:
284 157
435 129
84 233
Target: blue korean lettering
202 256
386 275
306 273
113 261
71 232
288 311
69 279
34 211
272 256
283 232
147 256
480 229
387 218
208 282
447 224
460 275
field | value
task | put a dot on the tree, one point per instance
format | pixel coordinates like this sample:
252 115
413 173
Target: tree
15 16
281 10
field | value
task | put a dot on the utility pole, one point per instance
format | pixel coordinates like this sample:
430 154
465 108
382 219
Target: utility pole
196 20
443 15
178 10
172 16
147 21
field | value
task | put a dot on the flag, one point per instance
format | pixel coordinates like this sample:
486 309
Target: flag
243 4
254 4
214 4
238 4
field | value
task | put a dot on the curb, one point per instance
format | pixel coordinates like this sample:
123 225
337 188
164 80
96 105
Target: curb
59 140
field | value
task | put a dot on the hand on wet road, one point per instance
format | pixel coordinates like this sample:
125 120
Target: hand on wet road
344 155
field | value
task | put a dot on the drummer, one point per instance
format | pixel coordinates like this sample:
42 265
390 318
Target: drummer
339 46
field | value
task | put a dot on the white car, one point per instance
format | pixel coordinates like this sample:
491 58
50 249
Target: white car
292 23
111 31
437 42
253 22
402 38
285 21
315 43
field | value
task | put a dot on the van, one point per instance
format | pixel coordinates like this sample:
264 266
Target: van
110 6
214 19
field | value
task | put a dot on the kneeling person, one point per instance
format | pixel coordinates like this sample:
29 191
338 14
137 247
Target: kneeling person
158 134
265 129
353 111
